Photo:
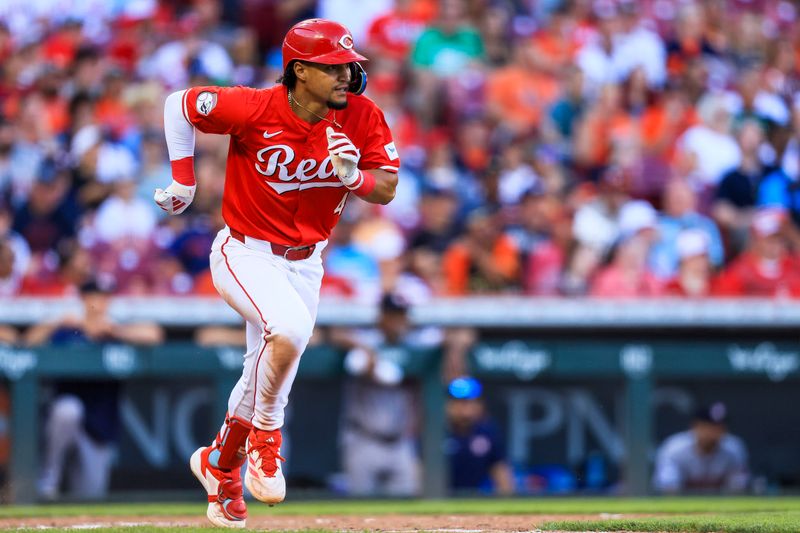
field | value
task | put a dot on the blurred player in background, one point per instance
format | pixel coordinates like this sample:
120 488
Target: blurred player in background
379 424
705 458
474 445
82 426
297 152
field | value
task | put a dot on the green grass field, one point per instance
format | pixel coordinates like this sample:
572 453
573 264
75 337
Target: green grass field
735 514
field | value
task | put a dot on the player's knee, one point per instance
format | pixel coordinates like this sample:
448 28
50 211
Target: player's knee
284 347
66 411
294 337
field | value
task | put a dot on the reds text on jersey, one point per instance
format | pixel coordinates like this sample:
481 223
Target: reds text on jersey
279 181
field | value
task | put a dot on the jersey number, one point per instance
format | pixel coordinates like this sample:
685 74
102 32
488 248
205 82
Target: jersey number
340 207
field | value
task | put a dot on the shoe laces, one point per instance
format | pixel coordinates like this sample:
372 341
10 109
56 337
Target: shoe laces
267 444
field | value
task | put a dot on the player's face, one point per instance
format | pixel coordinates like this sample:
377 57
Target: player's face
708 435
329 83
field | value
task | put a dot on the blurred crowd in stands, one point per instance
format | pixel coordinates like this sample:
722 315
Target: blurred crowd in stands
607 148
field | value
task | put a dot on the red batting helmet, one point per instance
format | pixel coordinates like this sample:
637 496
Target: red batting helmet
319 41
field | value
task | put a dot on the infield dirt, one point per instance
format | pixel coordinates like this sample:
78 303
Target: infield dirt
385 523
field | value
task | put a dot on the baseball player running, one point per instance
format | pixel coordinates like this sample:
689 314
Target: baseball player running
298 151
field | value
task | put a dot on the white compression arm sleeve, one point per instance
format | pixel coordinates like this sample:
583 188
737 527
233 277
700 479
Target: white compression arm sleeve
178 131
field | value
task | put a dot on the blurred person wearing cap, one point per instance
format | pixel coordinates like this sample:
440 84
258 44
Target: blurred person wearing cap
694 275
679 201
768 268
298 151
83 416
474 446
379 422
705 458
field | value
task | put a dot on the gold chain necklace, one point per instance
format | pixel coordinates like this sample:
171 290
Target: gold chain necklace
293 101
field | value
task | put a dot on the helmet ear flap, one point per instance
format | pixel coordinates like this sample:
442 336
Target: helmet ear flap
358 77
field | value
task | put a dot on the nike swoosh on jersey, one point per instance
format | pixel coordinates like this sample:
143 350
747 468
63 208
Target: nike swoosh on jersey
268 135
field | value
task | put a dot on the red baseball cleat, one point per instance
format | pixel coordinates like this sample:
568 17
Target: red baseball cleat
226 507
264 477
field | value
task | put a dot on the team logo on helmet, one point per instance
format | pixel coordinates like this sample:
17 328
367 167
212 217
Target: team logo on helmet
346 41
206 101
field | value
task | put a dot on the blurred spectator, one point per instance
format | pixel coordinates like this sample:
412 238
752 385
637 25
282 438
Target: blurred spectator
18 244
73 268
706 458
680 213
779 190
450 44
693 278
392 35
516 174
708 150
50 214
123 216
474 446
628 275
484 260
639 47
595 228
754 101
518 94
379 425
766 268
10 276
539 237
176 62
84 415
486 100
568 109
736 193
444 50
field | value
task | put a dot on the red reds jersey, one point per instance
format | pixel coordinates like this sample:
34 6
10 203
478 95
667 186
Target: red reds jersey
279 181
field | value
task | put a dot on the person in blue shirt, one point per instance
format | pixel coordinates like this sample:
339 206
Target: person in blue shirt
474 445
777 189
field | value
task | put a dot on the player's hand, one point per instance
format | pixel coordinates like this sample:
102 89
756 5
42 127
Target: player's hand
175 198
344 156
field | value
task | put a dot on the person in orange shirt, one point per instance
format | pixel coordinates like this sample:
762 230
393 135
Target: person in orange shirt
484 260
554 46
605 132
519 93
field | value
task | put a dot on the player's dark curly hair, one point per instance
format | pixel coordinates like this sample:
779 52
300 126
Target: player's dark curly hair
289 78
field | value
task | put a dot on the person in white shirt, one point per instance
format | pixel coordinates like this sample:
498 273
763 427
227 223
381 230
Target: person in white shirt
706 458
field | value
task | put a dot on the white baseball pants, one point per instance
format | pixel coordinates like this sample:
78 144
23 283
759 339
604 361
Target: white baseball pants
275 296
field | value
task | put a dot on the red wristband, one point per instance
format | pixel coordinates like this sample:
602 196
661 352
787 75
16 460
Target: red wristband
183 171
367 184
